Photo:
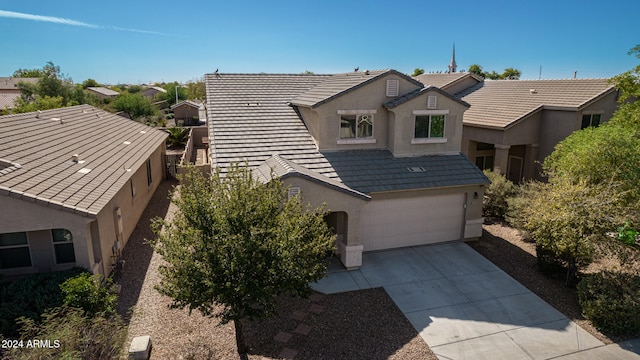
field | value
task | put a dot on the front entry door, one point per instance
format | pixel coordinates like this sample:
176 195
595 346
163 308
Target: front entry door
514 174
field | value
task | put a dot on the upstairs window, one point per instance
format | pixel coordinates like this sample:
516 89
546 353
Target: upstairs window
63 246
149 178
590 120
356 126
14 250
429 126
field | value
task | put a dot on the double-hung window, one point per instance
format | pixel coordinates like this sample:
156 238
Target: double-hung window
356 126
63 246
429 126
14 250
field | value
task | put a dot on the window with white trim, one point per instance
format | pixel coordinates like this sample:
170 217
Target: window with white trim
590 120
429 126
356 126
14 250
63 246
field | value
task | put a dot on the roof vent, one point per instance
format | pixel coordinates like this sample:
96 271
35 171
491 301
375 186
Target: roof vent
38 114
75 158
416 169
533 91
127 143
84 171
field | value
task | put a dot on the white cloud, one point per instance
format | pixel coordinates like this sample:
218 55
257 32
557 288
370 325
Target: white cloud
59 20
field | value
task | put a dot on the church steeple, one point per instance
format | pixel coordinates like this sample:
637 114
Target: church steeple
452 65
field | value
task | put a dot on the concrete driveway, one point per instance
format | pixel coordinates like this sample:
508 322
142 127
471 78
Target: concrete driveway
465 307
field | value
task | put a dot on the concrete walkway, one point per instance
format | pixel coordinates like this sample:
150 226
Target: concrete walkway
465 307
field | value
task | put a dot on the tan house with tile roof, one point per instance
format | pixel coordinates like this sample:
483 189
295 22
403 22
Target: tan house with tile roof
73 183
10 92
380 149
513 125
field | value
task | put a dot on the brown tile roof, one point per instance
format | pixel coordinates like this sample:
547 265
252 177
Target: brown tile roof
444 80
250 119
502 103
37 153
340 84
7 99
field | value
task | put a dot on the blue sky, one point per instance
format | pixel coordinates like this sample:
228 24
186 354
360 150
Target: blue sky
139 41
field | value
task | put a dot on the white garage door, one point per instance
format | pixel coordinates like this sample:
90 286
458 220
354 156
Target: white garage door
395 223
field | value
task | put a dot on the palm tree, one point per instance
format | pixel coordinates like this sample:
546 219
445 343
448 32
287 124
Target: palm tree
178 137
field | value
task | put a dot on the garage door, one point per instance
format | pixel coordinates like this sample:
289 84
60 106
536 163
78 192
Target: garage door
395 223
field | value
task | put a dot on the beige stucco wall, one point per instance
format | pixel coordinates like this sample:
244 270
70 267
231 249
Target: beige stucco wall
37 219
403 131
324 121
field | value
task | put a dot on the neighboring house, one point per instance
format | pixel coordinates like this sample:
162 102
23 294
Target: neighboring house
189 112
74 182
152 91
9 90
513 125
380 149
102 92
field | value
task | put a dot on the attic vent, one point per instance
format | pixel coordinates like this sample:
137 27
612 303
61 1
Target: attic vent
416 169
533 91
253 104
84 171
127 143
393 87
143 132
432 102
293 191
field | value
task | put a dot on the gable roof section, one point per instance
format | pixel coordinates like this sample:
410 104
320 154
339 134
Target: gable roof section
40 151
250 120
8 99
418 92
501 104
340 84
192 103
103 91
370 171
282 168
446 80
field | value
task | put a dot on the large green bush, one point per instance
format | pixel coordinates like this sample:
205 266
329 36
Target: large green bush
612 302
86 293
497 194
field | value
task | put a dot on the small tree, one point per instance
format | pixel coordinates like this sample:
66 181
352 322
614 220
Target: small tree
178 137
239 243
417 71
497 194
135 105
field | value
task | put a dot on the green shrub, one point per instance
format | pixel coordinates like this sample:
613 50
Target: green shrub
497 194
548 262
612 302
30 297
78 336
86 293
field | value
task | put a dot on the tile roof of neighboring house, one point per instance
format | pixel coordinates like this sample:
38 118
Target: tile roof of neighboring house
282 168
7 100
250 120
103 91
445 80
414 94
193 103
340 84
156 88
502 103
370 171
11 83
37 156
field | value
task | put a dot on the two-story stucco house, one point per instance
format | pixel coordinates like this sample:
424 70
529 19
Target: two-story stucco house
378 147
73 184
513 125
